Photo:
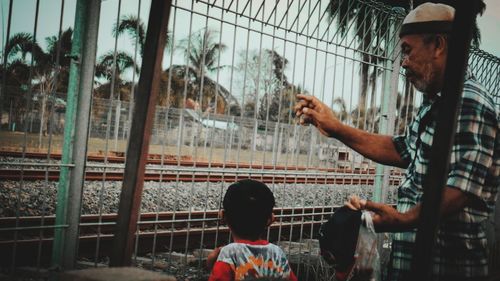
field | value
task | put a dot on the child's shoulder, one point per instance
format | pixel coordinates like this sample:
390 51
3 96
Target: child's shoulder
251 244
232 247
238 249
243 247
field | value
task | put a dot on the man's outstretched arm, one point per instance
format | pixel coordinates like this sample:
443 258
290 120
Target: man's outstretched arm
378 148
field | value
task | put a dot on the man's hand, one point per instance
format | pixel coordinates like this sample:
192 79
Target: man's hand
310 110
379 148
355 203
212 258
385 217
388 219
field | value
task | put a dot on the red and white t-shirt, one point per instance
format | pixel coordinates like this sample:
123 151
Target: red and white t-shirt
251 259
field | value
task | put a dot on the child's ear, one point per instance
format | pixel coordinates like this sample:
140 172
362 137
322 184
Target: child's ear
271 219
222 218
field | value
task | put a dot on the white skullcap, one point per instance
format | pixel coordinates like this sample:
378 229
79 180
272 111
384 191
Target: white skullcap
428 18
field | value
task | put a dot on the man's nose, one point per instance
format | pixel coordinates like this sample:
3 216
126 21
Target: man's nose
404 61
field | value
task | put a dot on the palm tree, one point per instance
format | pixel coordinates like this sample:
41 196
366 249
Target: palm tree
367 21
16 72
279 94
184 83
59 50
50 69
17 81
52 74
111 68
134 27
21 44
107 66
202 53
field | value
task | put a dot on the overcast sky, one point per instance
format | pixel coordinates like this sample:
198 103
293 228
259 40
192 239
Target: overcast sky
307 68
23 18
489 25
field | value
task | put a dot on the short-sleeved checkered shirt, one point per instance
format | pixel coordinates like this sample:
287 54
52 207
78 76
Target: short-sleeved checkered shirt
460 252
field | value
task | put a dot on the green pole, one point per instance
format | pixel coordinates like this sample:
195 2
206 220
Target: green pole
69 131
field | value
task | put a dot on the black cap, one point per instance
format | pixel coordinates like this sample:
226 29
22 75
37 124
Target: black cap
338 237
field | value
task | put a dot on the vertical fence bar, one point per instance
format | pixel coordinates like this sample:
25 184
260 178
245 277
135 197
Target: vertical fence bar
85 87
140 133
66 158
132 88
113 85
446 123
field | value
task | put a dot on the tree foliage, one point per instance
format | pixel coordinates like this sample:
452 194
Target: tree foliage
266 92
202 50
109 64
30 69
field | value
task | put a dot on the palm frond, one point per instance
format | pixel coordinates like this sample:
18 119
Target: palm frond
124 61
202 50
59 47
134 27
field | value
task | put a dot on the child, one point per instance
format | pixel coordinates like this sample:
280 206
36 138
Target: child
248 211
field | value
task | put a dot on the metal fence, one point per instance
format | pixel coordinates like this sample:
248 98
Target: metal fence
231 73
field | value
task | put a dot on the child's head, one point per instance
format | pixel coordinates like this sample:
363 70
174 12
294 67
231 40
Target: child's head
248 208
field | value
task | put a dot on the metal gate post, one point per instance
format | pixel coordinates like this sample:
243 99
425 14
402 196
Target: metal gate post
388 110
66 158
140 134
437 173
85 89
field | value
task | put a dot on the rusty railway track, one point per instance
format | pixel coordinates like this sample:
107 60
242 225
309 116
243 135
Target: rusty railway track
183 161
180 176
198 229
345 176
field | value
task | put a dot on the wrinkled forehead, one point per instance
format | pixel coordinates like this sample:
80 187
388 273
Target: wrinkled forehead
411 40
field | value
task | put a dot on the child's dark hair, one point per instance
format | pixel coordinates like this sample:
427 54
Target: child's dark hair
248 205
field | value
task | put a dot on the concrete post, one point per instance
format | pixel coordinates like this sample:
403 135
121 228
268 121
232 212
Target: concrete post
388 110
77 176
76 132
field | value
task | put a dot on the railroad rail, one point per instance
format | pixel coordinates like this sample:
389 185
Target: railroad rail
165 230
202 176
187 171
184 161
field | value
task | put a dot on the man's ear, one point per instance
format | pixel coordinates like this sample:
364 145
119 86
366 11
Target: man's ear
271 219
441 45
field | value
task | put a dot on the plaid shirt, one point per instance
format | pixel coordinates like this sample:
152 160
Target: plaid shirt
460 252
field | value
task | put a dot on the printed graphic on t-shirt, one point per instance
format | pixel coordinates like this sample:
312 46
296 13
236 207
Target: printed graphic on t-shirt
255 261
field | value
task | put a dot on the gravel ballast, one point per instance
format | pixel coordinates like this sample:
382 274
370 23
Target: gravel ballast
36 198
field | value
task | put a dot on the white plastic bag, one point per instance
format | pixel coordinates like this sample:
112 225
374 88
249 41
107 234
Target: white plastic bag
367 262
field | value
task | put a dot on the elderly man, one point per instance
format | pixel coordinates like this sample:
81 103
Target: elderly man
474 177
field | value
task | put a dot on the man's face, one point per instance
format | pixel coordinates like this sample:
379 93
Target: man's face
418 59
